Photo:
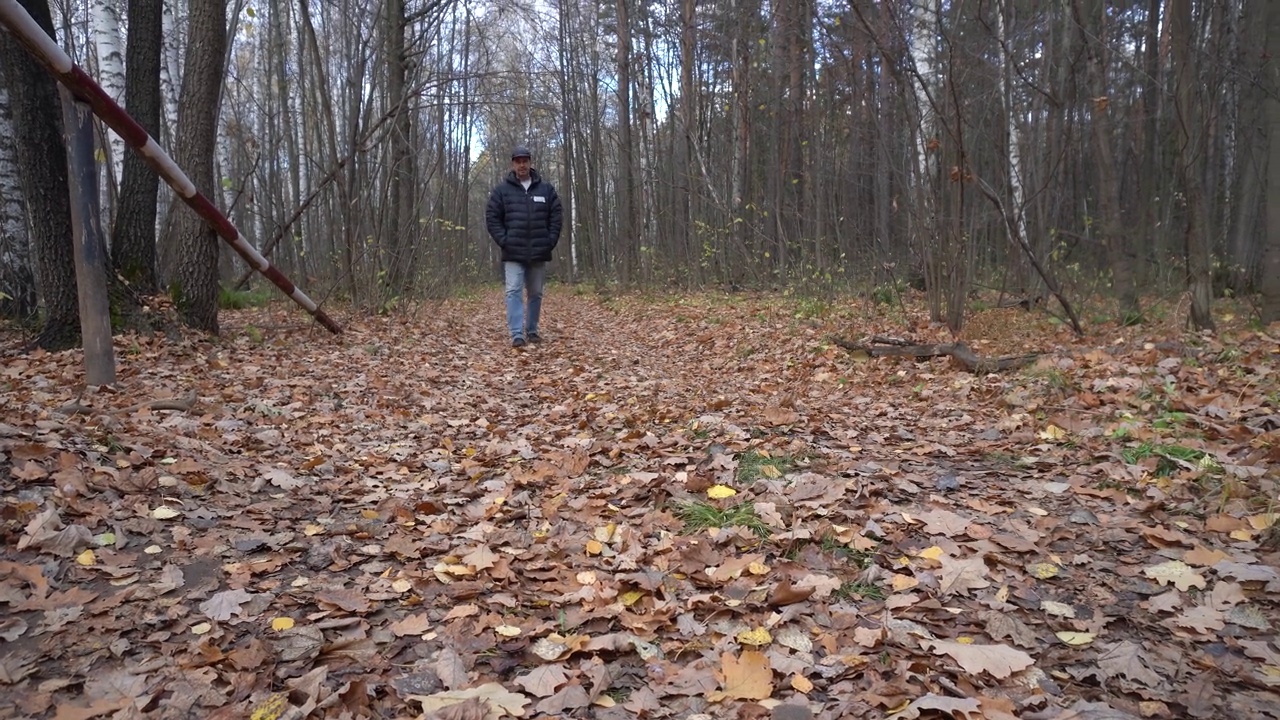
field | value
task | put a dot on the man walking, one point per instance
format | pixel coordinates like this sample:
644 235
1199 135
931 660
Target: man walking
523 217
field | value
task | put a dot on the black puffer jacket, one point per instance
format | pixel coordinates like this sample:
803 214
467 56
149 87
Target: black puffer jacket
524 223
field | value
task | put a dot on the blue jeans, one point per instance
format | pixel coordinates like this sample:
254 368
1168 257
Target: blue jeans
521 278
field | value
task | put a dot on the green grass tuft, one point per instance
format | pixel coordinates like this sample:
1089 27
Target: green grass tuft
698 516
232 299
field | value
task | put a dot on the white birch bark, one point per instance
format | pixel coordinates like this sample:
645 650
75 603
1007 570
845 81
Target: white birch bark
171 63
171 45
104 18
923 50
1011 113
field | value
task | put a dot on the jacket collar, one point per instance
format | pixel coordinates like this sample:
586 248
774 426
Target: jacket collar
533 175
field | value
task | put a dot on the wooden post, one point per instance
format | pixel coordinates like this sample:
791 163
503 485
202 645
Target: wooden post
90 250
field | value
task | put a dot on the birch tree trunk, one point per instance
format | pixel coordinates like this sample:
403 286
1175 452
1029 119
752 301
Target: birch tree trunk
104 20
17 284
1013 150
925 146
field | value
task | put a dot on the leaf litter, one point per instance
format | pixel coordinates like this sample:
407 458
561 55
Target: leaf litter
417 521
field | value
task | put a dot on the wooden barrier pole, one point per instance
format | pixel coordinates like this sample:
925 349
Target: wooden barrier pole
90 250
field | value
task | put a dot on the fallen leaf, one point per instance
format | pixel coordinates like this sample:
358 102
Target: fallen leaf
719 492
1201 618
757 637
222 606
948 706
544 680
415 624
958 577
1057 609
1043 571
1176 572
1075 639
496 698
746 677
1000 661
282 623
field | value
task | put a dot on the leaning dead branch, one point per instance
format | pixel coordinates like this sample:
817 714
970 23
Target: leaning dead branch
960 352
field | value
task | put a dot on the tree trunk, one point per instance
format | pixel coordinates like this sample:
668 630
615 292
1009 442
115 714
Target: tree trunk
1188 139
18 299
1092 22
1270 284
686 237
42 164
133 242
105 23
627 216
195 284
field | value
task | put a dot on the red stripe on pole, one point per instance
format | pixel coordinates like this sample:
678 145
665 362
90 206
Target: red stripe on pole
89 91
220 223
278 278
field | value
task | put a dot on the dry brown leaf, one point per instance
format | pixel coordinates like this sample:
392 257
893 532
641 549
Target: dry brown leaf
999 661
415 624
499 700
958 577
222 606
958 708
744 677
544 680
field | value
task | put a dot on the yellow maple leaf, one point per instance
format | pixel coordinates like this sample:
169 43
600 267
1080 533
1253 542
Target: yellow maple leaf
1044 571
271 708
719 492
902 582
1052 432
594 547
931 553
282 623
758 637
1076 639
86 558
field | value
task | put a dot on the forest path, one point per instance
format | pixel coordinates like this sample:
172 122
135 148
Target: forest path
675 505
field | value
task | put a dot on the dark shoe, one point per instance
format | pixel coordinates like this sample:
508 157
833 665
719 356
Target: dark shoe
517 342
535 337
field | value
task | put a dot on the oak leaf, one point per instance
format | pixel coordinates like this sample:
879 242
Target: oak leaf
746 677
1000 661
962 708
221 606
498 700
961 576
543 680
1176 572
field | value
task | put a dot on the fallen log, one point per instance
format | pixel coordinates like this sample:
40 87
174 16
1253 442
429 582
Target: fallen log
960 352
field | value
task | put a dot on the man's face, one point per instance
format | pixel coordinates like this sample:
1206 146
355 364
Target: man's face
521 167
